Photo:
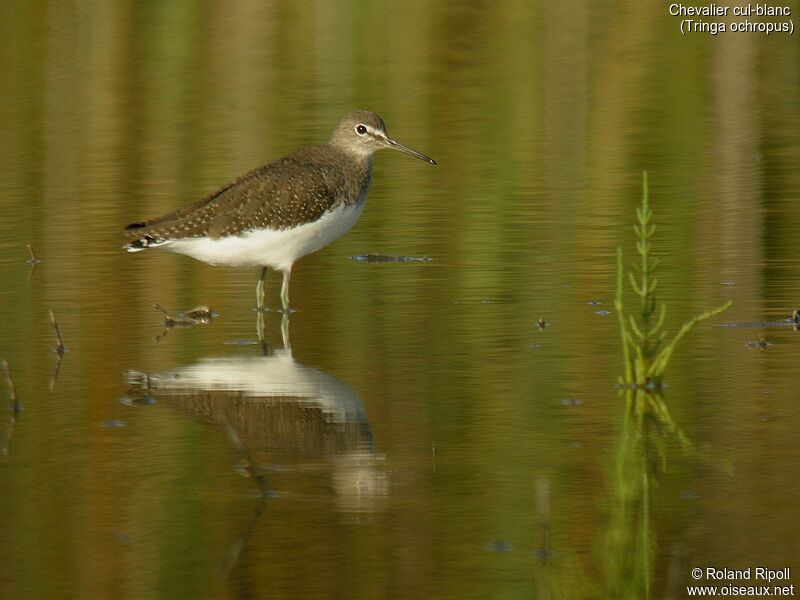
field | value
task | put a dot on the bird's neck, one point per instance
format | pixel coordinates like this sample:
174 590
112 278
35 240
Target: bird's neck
361 177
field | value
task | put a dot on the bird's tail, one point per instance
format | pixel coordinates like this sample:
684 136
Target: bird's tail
136 246
144 242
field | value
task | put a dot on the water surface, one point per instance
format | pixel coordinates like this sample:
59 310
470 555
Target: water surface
424 438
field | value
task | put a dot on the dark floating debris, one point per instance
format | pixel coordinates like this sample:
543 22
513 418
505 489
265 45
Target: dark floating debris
571 402
594 302
242 342
123 538
542 324
382 258
200 315
137 401
761 343
794 321
754 325
499 546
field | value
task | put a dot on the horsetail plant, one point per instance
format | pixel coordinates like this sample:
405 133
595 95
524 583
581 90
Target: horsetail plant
645 354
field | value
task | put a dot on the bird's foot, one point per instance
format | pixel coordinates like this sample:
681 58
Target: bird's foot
267 309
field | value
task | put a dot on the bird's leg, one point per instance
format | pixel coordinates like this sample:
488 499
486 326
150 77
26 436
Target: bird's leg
260 290
287 345
287 274
260 324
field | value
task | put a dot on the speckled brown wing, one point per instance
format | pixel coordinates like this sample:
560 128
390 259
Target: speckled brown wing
289 193
280 195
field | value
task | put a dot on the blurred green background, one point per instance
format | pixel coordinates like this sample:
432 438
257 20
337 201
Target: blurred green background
482 461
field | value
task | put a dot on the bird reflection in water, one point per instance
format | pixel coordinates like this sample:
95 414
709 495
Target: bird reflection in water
272 406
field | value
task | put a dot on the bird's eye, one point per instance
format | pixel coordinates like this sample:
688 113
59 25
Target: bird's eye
361 130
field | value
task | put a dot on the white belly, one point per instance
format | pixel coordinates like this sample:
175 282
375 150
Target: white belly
276 248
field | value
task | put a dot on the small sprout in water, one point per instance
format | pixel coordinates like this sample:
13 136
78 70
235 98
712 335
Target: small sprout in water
60 348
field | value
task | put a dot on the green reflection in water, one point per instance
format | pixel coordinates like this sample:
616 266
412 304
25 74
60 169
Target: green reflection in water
629 545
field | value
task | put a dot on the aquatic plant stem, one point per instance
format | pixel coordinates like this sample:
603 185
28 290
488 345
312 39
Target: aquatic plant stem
645 361
659 365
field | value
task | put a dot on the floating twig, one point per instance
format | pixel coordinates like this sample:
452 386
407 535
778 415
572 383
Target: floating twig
32 260
12 426
543 549
379 258
56 370
163 310
252 470
200 315
12 392
60 348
